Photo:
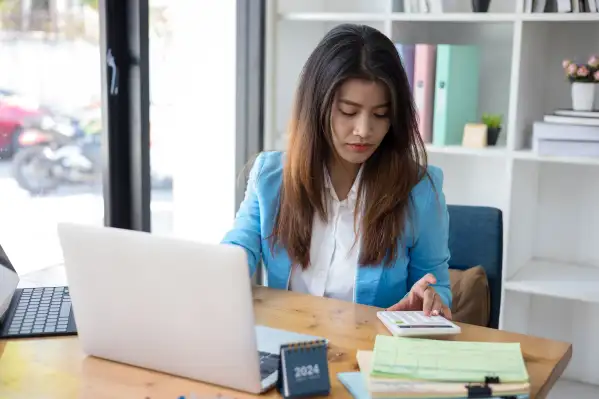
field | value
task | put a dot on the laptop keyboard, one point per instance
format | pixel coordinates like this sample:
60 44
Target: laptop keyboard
269 363
41 312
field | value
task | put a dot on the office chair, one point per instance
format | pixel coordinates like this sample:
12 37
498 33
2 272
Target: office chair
476 238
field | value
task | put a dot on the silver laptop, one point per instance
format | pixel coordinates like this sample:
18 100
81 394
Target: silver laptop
170 305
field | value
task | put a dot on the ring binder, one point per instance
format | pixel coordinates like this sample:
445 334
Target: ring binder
303 369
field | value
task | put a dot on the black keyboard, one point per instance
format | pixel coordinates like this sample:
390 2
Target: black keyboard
269 363
39 312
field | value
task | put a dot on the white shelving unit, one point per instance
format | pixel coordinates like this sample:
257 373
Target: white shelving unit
550 204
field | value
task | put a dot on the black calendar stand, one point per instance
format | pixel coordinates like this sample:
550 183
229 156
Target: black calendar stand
304 369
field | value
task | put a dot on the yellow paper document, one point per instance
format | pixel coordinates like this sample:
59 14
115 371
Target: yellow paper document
437 360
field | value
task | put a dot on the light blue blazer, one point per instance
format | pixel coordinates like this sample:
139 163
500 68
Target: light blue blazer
425 250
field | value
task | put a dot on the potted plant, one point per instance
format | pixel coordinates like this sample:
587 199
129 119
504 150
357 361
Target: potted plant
583 78
493 122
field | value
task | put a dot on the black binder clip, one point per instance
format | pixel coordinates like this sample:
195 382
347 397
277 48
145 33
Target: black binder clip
482 391
479 391
491 380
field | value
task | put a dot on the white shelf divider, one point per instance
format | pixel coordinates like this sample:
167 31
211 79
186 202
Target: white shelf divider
461 150
555 279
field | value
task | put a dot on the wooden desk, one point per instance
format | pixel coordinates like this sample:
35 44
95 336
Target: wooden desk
56 368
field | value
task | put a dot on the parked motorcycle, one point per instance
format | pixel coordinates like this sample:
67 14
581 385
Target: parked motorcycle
60 152
54 152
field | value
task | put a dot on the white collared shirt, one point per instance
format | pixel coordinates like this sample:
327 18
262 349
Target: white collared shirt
334 250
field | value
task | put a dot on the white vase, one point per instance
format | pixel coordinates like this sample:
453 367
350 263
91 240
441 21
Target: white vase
583 96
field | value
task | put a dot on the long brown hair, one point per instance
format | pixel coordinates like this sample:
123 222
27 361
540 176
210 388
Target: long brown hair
388 176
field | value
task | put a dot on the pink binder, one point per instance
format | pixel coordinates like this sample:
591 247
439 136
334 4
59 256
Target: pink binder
425 60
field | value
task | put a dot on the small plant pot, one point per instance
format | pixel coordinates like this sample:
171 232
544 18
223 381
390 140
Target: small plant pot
480 5
493 135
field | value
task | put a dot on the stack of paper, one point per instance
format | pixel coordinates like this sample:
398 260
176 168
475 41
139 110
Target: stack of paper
423 368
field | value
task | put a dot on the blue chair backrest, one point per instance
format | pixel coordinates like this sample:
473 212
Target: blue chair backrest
476 239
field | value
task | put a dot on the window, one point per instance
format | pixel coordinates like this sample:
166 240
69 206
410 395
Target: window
50 127
191 134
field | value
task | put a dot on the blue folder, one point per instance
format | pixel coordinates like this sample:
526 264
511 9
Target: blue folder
354 383
407 53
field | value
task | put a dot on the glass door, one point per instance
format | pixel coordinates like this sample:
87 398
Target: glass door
205 112
50 126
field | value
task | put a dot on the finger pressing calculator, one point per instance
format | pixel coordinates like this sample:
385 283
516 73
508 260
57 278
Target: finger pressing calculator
416 323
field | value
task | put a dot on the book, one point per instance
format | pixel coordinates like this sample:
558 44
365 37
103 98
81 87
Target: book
456 98
406 53
557 131
571 120
424 88
354 382
557 139
570 148
582 114
449 361
394 387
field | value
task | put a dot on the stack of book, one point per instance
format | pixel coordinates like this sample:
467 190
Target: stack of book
567 133
424 368
574 6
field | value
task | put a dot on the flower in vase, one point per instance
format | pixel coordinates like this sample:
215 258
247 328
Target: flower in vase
583 71
572 69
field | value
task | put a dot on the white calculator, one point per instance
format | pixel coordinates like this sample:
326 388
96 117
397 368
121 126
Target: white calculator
415 323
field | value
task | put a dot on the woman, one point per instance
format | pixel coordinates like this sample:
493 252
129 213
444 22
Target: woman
351 210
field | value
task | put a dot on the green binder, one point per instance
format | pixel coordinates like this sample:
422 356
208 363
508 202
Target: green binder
456 92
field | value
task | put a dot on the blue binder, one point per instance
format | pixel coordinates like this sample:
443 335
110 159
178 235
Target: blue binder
407 54
456 92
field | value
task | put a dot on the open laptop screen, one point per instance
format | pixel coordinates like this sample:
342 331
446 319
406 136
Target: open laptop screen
4 261
8 282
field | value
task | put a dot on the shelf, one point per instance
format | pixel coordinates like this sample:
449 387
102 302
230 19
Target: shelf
559 17
557 279
439 17
333 16
454 17
458 149
528 155
462 166
398 16
549 214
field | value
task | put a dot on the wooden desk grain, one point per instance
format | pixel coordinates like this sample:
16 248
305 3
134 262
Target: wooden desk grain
57 369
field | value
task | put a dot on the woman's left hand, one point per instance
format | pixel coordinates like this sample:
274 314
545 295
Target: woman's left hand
423 297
